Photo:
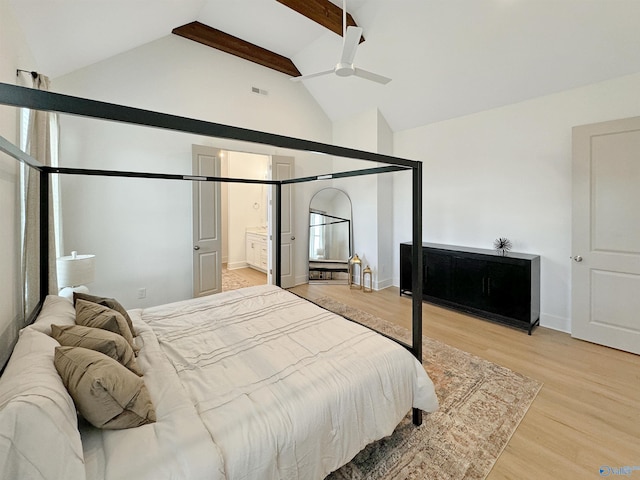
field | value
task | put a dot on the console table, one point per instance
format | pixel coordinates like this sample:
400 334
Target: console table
481 282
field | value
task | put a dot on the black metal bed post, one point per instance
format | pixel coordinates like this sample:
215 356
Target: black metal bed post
276 231
416 274
44 234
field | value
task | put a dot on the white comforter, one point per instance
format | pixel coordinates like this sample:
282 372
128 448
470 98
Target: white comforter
280 388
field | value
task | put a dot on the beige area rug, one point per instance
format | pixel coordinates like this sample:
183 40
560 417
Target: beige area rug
232 281
481 405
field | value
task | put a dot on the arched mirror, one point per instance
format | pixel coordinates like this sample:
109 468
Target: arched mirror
330 237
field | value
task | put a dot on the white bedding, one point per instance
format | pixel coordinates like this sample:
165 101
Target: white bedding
176 446
264 386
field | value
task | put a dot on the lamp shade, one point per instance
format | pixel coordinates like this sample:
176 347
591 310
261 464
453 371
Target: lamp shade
75 270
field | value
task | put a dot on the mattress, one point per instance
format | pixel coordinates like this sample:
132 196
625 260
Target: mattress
258 383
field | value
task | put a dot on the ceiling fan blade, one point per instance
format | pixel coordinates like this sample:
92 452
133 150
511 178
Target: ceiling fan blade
351 40
371 76
311 75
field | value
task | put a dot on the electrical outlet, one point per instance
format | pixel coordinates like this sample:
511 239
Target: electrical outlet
142 293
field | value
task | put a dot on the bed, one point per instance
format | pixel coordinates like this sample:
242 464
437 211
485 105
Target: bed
255 383
234 386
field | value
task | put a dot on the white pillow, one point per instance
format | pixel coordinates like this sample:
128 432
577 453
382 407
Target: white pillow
39 437
55 310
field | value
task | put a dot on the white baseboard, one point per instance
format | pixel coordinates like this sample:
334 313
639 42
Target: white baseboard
555 323
301 280
382 284
236 265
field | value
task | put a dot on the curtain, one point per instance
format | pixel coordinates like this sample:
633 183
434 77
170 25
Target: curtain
41 144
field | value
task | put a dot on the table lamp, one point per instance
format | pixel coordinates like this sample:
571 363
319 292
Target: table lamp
74 272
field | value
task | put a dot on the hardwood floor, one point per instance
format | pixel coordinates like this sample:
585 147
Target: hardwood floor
586 416
251 275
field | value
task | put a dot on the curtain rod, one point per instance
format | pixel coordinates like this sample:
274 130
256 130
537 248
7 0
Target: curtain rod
33 73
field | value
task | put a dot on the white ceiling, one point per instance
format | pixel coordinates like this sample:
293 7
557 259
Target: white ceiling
447 58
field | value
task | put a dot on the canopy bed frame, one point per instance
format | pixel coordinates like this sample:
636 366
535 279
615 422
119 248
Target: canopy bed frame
16 96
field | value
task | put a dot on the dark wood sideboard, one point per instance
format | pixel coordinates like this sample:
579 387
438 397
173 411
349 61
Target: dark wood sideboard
477 281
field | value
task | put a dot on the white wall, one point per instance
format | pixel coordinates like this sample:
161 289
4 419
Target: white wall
14 54
383 271
140 230
371 195
507 172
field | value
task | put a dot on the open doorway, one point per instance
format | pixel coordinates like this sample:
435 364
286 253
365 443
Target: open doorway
245 221
247 245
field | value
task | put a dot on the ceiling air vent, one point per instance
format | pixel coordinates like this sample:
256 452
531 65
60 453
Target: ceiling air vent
259 91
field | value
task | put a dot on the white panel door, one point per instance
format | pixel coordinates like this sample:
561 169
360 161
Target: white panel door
606 234
207 236
282 168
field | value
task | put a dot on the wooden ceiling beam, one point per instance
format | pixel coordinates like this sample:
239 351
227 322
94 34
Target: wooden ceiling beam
322 12
201 33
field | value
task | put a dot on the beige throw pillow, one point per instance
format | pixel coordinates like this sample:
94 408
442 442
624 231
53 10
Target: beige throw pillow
95 315
112 303
105 393
103 341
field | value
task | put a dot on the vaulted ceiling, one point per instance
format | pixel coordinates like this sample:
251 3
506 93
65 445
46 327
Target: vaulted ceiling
323 12
447 58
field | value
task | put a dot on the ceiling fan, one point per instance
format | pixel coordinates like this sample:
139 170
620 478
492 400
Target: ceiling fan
345 68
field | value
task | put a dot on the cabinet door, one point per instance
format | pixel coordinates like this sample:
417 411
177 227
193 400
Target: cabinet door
437 274
263 254
470 283
508 290
405 268
251 251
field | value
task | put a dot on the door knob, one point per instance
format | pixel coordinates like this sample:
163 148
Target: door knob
196 247
293 237
577 258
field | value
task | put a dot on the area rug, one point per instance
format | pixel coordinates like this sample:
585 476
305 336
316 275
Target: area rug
481 405
232 281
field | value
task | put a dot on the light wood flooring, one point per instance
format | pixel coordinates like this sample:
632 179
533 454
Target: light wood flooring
251 275
587 414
